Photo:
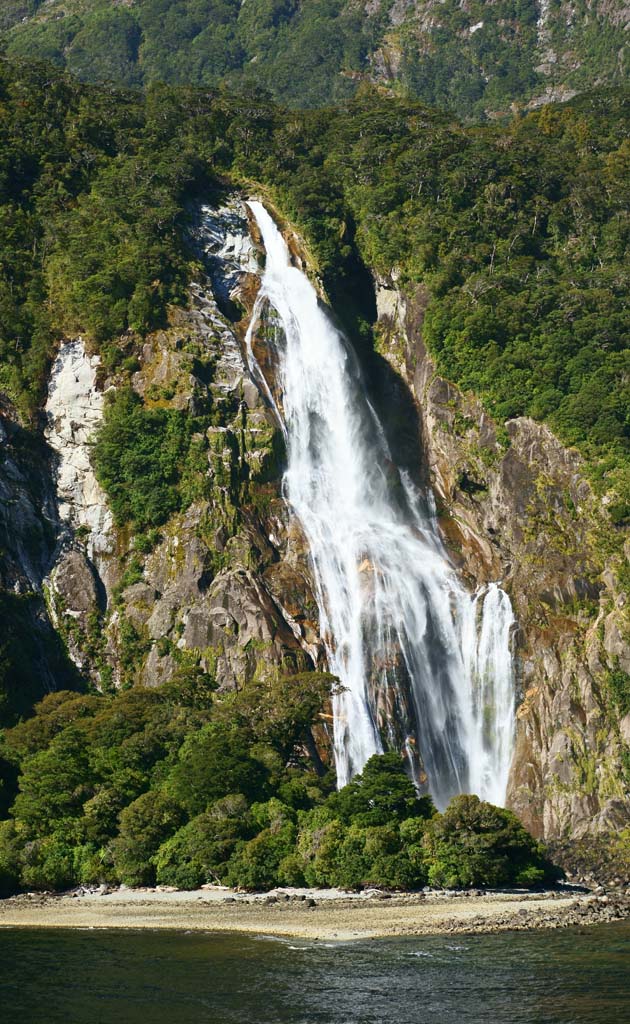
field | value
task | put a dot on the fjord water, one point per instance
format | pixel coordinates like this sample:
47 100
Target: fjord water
54 976
425 666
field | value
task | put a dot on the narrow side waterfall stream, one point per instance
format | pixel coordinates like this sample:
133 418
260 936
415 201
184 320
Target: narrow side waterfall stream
425 667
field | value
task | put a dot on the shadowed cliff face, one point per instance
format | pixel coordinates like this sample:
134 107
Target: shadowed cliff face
32 660
515 506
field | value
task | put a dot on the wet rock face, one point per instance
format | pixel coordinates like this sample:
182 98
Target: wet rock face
514 506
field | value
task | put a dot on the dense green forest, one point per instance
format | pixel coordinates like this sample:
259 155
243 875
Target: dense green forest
175 786
470 59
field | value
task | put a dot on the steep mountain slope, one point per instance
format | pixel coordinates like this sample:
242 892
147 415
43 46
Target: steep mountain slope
501 251
473 58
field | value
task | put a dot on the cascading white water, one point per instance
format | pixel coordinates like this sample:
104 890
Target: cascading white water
424 666
491 733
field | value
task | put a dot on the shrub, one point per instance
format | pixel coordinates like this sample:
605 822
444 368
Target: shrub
214 762
138 459
476 844
199 851
10 858
257 864
382 792
144 825
49 863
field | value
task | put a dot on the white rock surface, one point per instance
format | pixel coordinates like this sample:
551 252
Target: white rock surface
74 409
225 239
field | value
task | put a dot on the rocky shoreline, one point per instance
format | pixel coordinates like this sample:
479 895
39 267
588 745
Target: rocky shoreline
316 914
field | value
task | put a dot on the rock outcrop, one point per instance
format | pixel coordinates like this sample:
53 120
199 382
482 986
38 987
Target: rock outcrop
28 518
74 410
29 531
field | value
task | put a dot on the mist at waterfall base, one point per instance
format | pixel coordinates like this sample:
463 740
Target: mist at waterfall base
425 667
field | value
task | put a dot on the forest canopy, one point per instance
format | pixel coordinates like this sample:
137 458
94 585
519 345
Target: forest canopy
179 786
471 59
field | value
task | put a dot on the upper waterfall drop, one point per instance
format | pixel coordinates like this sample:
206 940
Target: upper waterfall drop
425 667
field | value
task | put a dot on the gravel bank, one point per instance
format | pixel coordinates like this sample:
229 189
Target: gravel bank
314 914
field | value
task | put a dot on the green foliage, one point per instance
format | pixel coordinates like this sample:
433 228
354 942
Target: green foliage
48 862
214 762
173 785
197 853
474 843
118 258
149 784
257 864
381 793
144 825
310 53
369 833
10 862
139 458
54 783
88 220
618 683
280 711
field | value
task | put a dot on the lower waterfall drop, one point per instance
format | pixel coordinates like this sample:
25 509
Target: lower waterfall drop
424 666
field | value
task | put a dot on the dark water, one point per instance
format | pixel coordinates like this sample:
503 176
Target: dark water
94 977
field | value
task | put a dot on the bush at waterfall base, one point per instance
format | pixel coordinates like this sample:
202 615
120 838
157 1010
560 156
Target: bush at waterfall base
476 844
180 785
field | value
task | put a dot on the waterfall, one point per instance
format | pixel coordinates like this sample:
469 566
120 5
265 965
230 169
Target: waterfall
491 731
424 667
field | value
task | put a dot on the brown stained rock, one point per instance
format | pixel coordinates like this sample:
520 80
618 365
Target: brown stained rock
292 588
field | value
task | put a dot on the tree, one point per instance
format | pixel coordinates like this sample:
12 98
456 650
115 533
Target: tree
199 851
55 783
144 825
381 793
476 844
214 762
